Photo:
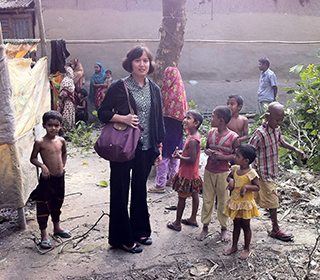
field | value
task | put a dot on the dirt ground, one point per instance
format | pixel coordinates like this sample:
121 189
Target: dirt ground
173 255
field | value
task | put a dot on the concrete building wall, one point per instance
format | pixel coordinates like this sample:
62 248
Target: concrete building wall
246 29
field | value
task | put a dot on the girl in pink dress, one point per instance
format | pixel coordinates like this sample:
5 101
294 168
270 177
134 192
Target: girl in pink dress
187 182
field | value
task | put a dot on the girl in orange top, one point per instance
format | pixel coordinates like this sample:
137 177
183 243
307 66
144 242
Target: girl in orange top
187 182
241 207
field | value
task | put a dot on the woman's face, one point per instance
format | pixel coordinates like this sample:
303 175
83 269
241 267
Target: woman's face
97 69
140 66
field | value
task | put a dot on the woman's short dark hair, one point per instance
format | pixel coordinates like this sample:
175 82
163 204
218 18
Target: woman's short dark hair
137 52
248 152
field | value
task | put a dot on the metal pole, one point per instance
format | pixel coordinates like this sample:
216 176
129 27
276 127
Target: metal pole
39 14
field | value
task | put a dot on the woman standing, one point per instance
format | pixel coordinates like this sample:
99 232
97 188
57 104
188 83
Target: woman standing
145 98
67 102
78 74
175 108
97 85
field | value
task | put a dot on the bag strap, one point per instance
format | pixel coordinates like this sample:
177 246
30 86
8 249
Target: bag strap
126 88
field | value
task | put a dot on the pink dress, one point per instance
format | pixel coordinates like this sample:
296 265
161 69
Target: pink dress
187 179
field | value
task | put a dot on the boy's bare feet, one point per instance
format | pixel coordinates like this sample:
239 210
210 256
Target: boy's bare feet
224 234
230 251
203 234
244 254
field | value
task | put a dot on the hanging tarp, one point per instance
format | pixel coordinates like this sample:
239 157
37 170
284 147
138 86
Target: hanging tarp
7 126
21 107
18 48
31 92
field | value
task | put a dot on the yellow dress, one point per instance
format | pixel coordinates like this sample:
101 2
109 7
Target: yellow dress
242 207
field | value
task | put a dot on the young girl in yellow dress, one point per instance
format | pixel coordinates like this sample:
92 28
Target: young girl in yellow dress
241 207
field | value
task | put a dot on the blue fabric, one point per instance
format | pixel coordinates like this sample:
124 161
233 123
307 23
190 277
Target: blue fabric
98 79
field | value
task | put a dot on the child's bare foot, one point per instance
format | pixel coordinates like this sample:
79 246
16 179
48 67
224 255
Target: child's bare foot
230 251
203 234
224 234
244 254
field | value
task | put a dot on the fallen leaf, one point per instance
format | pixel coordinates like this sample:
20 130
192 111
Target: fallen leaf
296 194
104 183
84 163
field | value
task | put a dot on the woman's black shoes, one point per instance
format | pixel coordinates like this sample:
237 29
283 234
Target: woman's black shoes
145 240
134 250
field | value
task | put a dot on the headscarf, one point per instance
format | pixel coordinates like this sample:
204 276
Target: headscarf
78 74
98 79
174 97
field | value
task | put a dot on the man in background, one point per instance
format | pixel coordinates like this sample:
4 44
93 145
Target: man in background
268 89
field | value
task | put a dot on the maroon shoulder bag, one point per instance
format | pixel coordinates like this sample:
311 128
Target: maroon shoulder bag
118 141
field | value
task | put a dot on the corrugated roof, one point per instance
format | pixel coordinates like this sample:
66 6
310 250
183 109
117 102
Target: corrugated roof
14 4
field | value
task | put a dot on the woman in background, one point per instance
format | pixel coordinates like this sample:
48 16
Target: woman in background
67 102
175 107
78 74
97 85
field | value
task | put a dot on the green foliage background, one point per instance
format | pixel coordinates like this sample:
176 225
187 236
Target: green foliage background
302 121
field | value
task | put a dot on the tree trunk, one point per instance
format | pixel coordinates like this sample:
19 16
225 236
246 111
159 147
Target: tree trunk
172 37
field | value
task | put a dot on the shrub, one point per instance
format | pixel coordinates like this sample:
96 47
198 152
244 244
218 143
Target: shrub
302 122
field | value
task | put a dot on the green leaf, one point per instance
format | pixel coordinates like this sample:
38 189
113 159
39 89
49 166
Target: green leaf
310 111
104 183
304 76
314 132
296 69
308 125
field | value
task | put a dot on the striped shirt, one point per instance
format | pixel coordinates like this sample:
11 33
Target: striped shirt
266 140
222 144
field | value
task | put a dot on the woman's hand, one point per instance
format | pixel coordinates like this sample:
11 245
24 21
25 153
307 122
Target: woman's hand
131 120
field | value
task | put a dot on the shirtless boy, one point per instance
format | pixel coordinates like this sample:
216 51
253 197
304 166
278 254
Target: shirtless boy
238 124
50 191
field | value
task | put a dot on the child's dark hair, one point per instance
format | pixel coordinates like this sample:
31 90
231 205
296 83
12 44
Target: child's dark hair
108 72
223 112
238 98
248 152
51 115
197 116
83 92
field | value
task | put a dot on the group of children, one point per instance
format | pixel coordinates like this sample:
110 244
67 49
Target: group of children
248 185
